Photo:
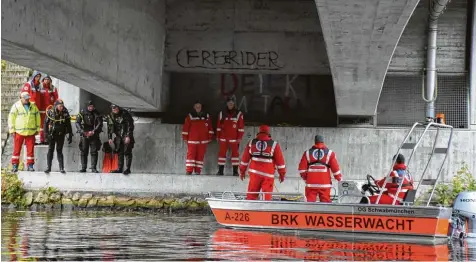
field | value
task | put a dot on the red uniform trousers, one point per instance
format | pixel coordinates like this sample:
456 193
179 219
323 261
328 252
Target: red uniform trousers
323 193
235 155
42 122
195 156
257 183
30 151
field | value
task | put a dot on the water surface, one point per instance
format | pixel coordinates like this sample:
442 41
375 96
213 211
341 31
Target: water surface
108 236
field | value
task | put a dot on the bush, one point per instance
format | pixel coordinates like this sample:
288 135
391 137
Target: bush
12 188
445 194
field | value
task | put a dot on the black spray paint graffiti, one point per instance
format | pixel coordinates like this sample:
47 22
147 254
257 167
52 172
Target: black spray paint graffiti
268 60
289 101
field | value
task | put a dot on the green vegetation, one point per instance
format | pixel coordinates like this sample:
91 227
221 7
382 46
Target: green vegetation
12 189
4 65
14 193
49 190
445 194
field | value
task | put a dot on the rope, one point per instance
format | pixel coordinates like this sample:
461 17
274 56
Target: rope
49 117
283 197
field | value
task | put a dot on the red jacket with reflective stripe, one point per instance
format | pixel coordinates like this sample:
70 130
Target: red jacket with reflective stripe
230 126
263 156
394 181
197 129
316 166
48 95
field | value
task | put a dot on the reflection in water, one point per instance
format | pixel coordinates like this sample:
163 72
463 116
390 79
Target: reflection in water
109 236
256 245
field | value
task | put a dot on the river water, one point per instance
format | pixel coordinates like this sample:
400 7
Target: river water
108 236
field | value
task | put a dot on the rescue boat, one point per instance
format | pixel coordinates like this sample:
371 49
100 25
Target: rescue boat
230 244
288 211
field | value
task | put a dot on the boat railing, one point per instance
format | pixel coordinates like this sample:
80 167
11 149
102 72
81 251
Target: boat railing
236 195
413 147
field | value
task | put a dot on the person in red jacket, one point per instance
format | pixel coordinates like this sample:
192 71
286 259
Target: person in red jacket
315 168
399 172
48 96
263 156
33 88
230 130
197 132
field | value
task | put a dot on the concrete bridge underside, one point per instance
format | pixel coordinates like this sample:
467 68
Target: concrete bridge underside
111 48
115 48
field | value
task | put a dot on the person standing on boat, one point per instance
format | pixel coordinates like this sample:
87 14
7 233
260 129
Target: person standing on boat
263 155
230 130
399 172
315 168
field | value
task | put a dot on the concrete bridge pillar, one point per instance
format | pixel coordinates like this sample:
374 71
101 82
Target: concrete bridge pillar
361 36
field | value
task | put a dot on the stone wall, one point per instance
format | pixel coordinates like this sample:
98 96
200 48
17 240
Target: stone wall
13 78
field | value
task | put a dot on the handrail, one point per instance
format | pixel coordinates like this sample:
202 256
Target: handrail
212 194
428 125
441 167
394 161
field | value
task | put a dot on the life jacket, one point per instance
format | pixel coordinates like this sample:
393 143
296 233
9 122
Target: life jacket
320 154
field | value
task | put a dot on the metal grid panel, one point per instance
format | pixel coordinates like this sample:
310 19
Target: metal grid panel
453 94
401 103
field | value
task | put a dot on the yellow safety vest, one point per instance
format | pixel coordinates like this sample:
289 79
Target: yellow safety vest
22 122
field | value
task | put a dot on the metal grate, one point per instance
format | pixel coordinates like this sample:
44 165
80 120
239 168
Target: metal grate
401 102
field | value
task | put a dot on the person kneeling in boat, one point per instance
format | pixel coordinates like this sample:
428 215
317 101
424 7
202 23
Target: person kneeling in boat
399 172
263 156
315 168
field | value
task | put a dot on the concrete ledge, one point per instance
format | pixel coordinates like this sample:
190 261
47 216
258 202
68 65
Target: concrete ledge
145 184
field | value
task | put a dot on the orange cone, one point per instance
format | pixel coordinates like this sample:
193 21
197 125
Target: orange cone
106 163
114 161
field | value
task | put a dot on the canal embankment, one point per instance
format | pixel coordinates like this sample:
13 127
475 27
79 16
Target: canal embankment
159 192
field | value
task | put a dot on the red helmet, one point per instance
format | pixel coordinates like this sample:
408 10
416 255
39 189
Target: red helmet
264 129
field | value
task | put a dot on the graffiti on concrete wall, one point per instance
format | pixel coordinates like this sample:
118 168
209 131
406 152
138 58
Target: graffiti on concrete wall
262 94
265 98
214 59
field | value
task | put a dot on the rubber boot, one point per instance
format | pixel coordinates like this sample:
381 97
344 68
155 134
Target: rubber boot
120 165
15 168
94 163
49 160
61 163
30 168
128 164
84 163
235 171
220 170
